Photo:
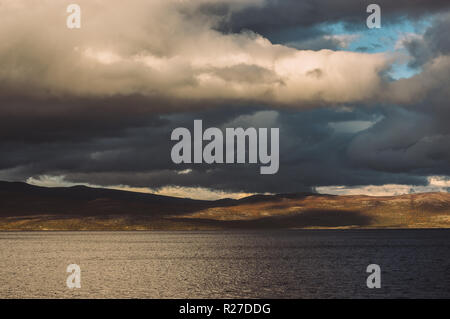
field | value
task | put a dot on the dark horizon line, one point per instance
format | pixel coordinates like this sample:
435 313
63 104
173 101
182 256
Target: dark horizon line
254 196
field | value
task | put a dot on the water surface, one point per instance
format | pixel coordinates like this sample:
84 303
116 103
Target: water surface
274 264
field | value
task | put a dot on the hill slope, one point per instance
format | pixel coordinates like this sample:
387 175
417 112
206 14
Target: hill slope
27 207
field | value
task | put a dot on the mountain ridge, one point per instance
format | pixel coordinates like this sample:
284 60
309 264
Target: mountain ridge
29 207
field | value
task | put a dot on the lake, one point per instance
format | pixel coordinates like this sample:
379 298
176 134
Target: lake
269 264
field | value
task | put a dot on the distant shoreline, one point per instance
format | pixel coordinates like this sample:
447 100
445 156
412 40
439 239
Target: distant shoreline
214 230
24 207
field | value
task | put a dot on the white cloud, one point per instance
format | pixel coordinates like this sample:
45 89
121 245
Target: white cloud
167 48
353 126
435 184
175 191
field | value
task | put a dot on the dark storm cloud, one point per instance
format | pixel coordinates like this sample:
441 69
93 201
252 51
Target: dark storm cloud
69 119
77 119
434 42
299 24
313 153
406 141
273 16
414 138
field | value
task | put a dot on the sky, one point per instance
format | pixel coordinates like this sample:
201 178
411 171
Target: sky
360 111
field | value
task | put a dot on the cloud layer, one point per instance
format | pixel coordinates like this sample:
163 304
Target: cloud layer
168 49
97 105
